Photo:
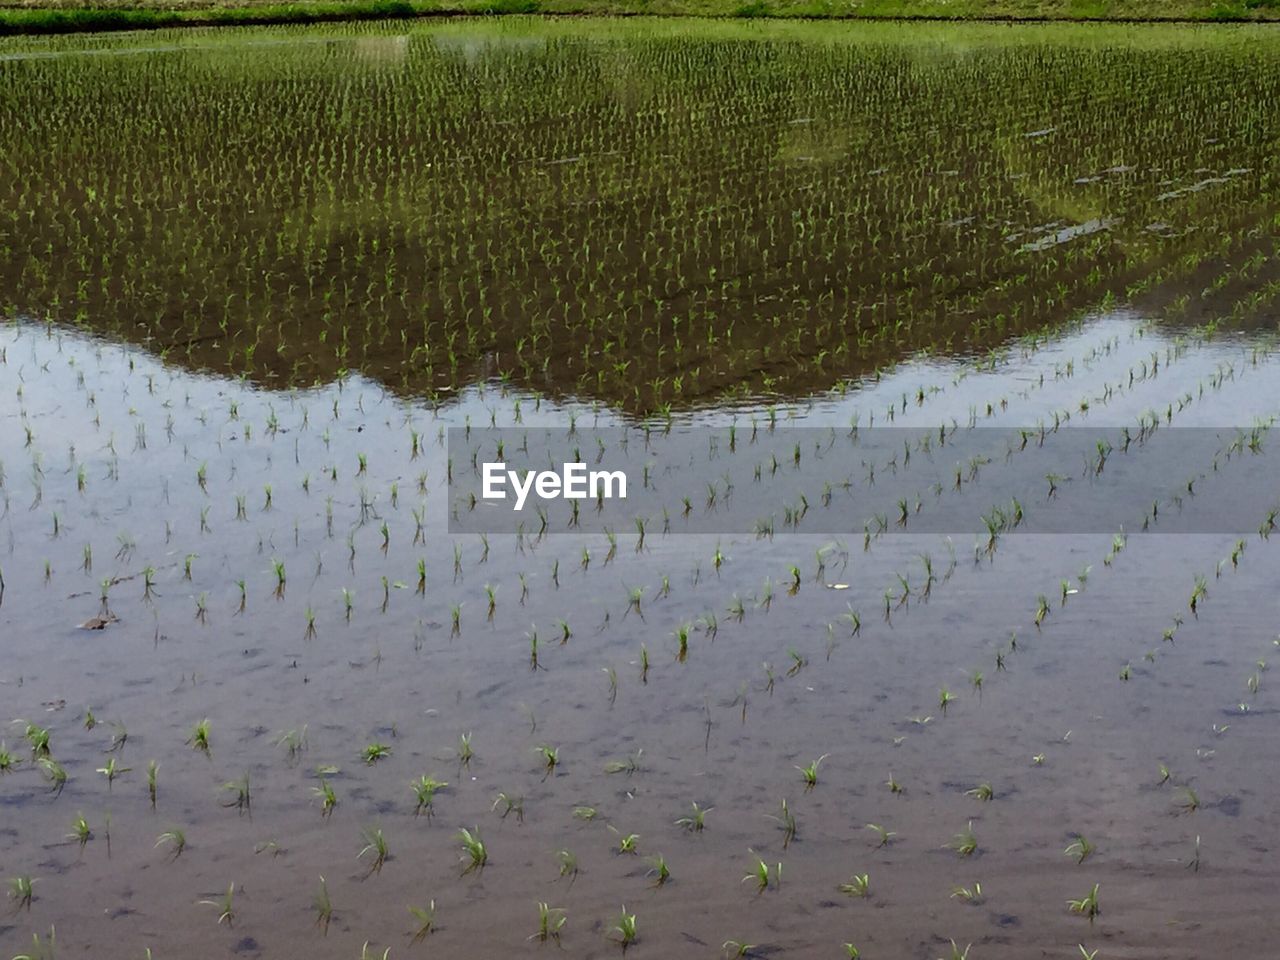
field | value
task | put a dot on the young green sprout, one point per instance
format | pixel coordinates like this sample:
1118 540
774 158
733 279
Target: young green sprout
696 821
22 892
323 907
80 831
627 842
761 874
1086 906
424 791
240 795
970 895
175 839
1080 849
550 758
550 921
957 953
568 864
787 821
375 847
625 929
886 836
474 853
859 885
584 813
225 905
425 919
659 871
810 773
965 843
328 799
374 752
112 770
736 949
465 753
510 804
199 739
982 791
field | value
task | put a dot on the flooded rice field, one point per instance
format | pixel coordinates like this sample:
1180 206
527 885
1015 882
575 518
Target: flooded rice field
941 363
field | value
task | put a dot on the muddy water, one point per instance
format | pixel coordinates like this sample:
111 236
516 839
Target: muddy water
211 469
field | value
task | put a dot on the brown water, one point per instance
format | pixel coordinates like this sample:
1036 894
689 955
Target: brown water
584 210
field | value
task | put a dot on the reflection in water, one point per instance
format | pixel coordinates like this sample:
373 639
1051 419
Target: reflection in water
649 218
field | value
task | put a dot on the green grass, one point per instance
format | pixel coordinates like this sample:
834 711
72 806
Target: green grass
77 16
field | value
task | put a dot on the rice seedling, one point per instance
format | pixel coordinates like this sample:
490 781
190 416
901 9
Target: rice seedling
112 770
762 875
240 795
474 853
885 837
1080 849
175 840
80 831
1087 905
735 949
323 907
199 739
22 892
627 842
810 772
567 864
893 785
327 797
8 761
957 953
225 905
551 921
859 885
851 952
375 848
424 792
53 772
971 895
424 919
696 821
659 871
550 759
625 929
965 843
982 792
585 813
510 804
375 751
787 821
630 766
1190 800
1087 954
945 699
294 743
42 948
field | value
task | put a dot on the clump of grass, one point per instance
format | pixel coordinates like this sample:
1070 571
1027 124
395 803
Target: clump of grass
323 907
568 864
886 836
424 791
787 821
859 885
225 905
810 773
629 766
374 752
511 803
971 895
965 843
659 871
585 813
80 831
199 739
982 791
1086 906
112 770
696 821
550 921
627 842
22 892
375 847
1080 849
325 794
241 796
625 929
176 841
425 919
762 874
474 853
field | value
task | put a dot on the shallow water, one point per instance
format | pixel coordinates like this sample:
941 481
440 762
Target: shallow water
342 265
